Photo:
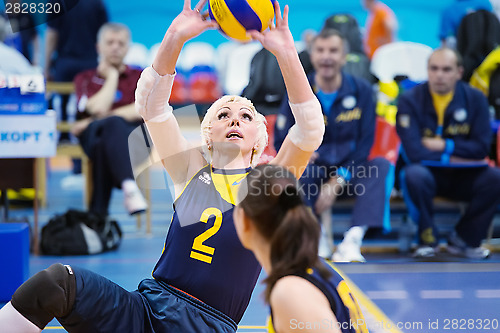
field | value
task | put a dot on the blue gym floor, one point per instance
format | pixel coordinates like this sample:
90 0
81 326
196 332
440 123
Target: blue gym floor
396 291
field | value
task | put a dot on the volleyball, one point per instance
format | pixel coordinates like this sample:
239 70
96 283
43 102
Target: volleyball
236 17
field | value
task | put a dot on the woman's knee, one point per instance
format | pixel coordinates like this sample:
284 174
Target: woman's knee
49 293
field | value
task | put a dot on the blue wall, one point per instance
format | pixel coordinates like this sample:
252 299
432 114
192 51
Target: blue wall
148 19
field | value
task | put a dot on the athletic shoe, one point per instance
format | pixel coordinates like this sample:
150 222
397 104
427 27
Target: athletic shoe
349 250
425 251
133 199
458 247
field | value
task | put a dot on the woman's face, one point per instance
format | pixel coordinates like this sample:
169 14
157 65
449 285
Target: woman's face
235 123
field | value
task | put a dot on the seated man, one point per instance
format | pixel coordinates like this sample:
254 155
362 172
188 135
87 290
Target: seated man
107 117
445 132
341 163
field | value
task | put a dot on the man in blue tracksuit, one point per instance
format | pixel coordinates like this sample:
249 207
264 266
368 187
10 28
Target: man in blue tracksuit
445 131
340 166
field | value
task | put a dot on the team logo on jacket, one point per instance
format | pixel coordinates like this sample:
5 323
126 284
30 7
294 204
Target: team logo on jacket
349 102
460 115
280 122
404 120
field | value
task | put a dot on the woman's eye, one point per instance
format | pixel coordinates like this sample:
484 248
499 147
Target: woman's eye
222 115
247 116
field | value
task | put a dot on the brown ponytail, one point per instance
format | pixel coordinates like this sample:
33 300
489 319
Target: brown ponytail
274 205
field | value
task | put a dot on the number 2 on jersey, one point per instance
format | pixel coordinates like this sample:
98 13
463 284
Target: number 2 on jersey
198 241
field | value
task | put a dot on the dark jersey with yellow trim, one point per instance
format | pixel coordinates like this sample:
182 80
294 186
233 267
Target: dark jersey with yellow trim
342 302
203 255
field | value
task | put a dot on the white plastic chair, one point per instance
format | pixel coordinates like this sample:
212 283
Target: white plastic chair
137 55
237 74
401 58
196 54
222 53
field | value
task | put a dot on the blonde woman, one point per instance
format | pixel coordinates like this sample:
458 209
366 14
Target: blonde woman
205 277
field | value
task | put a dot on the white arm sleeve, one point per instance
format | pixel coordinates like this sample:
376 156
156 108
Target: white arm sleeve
307 133
152 95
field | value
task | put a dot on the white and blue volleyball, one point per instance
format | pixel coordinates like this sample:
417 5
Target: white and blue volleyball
236 17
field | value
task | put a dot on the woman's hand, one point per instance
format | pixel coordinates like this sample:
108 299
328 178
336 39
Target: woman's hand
191 22
278 38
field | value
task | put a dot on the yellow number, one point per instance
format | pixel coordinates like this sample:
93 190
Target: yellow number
198 241
354 311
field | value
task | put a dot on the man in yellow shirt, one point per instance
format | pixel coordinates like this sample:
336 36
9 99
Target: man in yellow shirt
445 132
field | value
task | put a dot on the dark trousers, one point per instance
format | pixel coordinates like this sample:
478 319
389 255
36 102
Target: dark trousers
480 187
371 185
102 306
105 142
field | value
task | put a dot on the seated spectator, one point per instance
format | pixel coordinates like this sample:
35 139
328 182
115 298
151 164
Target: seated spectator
340 165
70 49
445 132
452 15
107 115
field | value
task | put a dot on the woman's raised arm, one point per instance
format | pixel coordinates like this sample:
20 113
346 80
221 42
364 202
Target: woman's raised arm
307 133
153 93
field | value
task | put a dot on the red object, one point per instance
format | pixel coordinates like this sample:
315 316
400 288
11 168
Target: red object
204 88
88 83
386 143
179 94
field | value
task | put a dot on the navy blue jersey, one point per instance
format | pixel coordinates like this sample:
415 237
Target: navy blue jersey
342 302
203 255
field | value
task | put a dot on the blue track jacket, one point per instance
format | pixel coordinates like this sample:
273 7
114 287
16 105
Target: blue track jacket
466 125
350 126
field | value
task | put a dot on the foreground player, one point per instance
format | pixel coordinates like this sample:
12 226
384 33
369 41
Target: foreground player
304 292
204 278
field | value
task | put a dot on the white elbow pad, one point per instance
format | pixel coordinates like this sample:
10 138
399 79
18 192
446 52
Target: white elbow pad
307 133
152 95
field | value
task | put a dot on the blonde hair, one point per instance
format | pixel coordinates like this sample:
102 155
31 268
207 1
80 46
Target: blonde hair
262 137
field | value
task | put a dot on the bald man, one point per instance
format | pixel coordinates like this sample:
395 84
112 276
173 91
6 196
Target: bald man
445 131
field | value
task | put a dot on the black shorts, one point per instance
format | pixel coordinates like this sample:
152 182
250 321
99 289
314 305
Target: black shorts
102 306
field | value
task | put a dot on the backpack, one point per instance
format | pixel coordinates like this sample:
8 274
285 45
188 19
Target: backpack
358 64
266 86
478 34
348 26
494 92
77 232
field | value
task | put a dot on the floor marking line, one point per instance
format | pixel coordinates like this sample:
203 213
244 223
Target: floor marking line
487 293
387 294
441 294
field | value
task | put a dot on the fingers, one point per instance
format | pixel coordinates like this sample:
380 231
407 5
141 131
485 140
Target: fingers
256 35
211 25
187 4
199 6
285 15
277 12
